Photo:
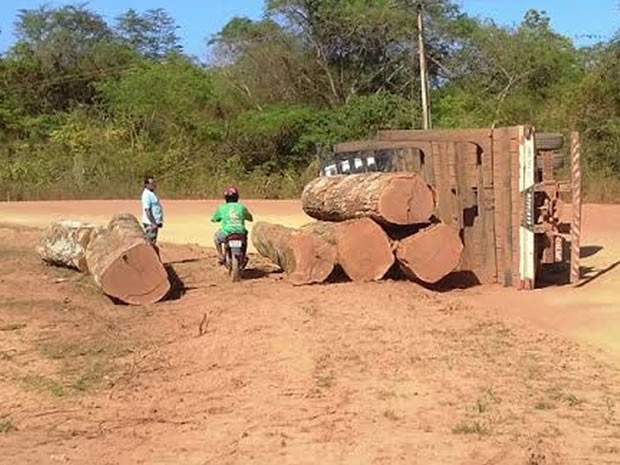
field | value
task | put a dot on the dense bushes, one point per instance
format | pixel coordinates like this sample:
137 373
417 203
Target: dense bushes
87 107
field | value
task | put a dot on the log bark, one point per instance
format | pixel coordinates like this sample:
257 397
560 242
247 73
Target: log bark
305 257
364 251
430 254
64 243
125 265
388 198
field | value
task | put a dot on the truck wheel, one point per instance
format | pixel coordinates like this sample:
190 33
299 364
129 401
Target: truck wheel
549 141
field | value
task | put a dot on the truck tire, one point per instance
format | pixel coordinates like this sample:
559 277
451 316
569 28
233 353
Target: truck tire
549 141
558 161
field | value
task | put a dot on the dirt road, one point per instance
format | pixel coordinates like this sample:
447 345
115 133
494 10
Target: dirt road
186 222
590 313
260 372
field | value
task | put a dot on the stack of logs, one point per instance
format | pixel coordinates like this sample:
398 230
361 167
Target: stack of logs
367 222
123 264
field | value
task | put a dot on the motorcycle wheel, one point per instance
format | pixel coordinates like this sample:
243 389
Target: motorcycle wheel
235 269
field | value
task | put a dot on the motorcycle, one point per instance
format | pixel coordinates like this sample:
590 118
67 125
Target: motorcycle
235 248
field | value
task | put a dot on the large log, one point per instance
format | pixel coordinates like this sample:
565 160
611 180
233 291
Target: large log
125 265
305 257
364 251
388 198
430 254
64 243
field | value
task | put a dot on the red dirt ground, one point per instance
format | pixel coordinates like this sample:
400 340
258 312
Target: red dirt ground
262 372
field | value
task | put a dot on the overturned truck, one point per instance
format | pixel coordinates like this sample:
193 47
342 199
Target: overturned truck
520 226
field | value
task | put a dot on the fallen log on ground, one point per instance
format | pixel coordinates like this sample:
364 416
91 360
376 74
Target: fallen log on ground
125 265
305 257
364 251
64 243
388 198
430 254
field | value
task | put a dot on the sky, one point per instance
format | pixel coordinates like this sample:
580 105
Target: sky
199 20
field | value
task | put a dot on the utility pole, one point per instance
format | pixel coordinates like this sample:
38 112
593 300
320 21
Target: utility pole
426 104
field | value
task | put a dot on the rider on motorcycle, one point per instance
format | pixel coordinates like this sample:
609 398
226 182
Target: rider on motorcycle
233 216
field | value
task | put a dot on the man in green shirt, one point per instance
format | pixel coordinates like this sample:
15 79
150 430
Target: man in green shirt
232 215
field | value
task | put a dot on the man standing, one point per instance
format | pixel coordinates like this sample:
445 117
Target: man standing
152 213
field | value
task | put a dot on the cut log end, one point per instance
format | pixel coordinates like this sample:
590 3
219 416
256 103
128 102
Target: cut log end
364 250
430 254
406 201
133 279
125 265
314 259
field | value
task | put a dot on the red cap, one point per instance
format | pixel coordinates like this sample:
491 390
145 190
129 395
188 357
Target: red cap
230 191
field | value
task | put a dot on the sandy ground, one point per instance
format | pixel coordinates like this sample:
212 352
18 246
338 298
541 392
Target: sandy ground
590 313
186 222
261 372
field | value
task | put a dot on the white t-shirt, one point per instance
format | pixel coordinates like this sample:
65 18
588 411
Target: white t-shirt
150 201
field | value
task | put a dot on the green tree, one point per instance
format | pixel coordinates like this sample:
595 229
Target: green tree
152 33
363 47
326 52
161 99
87 106
504 76
60 37
596 111
58 53
263 64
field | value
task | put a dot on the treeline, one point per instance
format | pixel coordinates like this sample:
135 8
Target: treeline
88 106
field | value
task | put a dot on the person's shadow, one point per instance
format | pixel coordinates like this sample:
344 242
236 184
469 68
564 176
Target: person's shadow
589 273
589 251
177 286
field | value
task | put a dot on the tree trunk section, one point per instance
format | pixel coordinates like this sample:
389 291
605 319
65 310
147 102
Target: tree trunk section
430 254
305 257
64 243
364 251
125 265
388 198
